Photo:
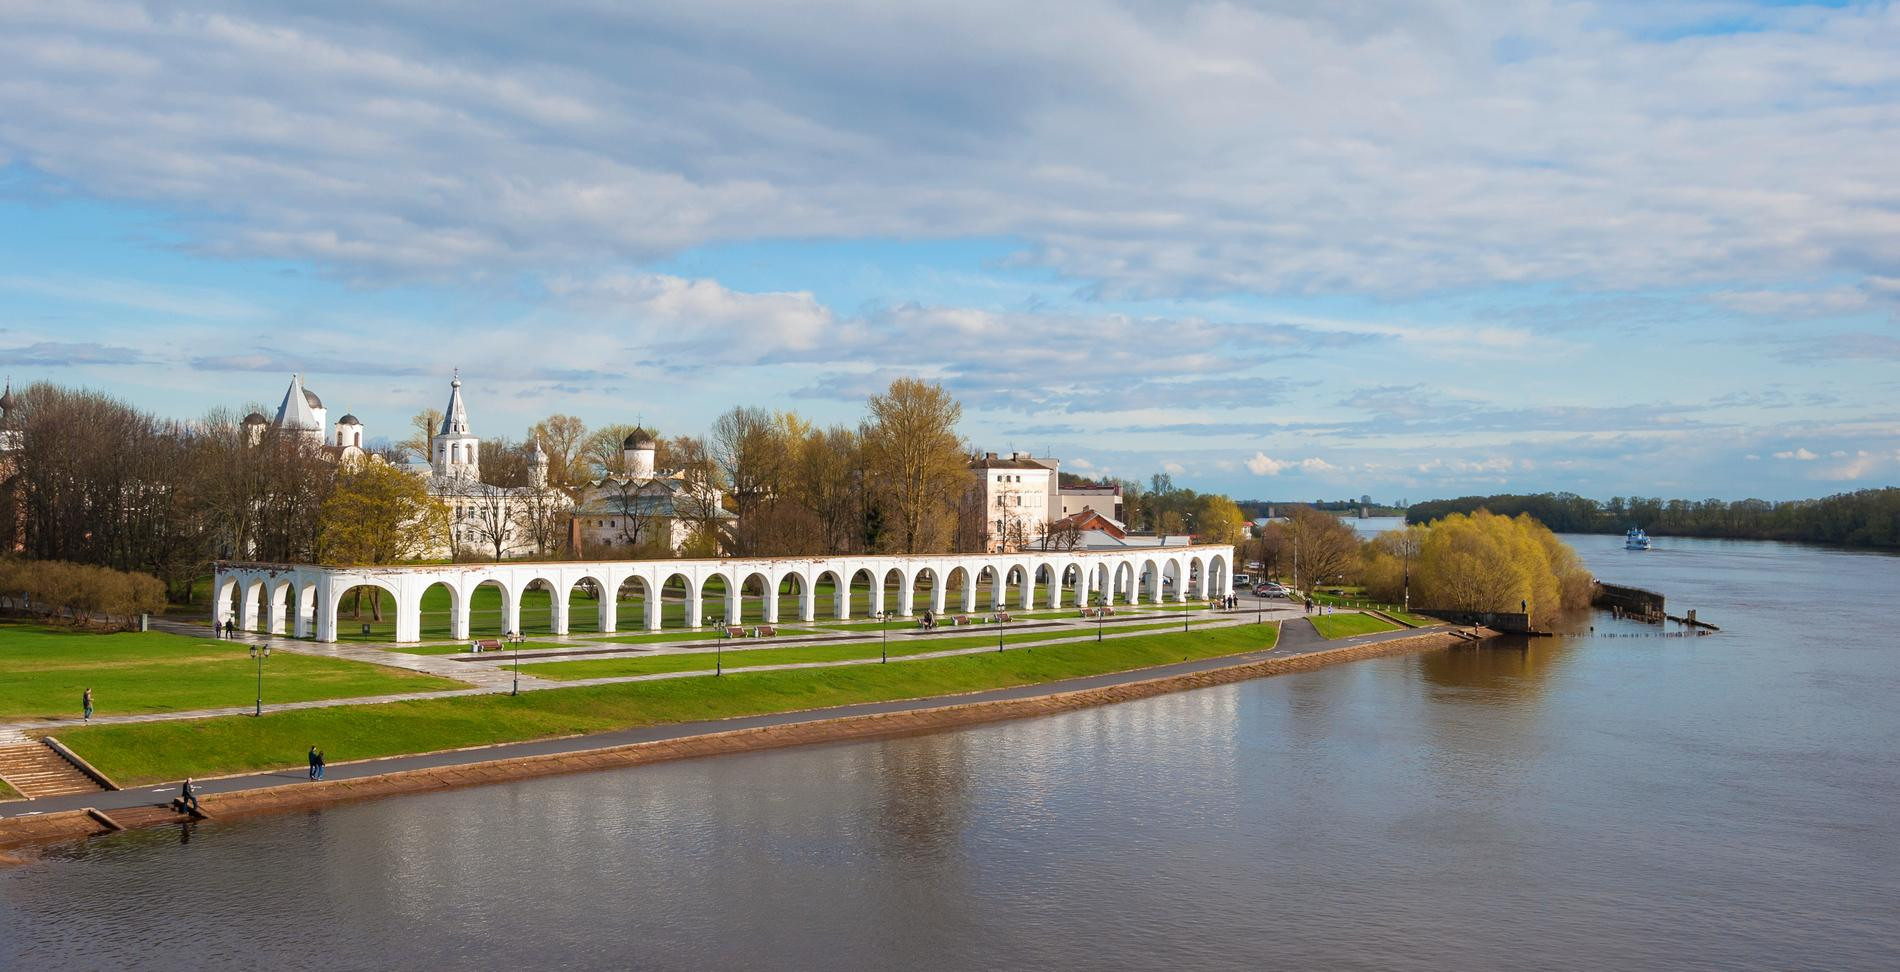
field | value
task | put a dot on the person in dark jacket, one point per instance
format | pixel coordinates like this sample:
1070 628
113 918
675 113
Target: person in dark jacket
85 702
188 797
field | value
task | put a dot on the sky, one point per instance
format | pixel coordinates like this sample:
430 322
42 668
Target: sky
1278 250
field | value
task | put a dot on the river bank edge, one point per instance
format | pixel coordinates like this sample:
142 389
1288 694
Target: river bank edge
21 833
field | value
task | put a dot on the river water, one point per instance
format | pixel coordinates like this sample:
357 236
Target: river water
1587 802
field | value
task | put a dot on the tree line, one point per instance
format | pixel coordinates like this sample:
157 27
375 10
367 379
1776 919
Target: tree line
97 481
1480 562
81 593
1864 518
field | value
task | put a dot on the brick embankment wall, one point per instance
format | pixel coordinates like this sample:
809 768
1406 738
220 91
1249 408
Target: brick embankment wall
294 796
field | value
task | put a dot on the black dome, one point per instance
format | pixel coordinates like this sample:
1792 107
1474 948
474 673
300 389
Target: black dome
638 439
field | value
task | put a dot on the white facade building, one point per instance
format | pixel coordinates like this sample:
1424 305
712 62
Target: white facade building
646 508
485 518
1022 494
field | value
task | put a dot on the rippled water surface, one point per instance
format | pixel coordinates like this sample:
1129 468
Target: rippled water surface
1587 802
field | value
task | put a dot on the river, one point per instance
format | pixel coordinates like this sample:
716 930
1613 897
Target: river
1587 802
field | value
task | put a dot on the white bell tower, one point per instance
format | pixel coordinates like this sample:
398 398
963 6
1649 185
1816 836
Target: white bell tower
457 453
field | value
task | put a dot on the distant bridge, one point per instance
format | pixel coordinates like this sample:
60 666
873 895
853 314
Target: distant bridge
303 599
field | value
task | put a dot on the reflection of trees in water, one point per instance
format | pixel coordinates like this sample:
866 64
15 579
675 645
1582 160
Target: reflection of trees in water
1502 671
1507 670
922 795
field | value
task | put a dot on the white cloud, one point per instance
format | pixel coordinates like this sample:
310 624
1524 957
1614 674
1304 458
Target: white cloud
1802 455
1795 303
1208 147
1173 468
1262 464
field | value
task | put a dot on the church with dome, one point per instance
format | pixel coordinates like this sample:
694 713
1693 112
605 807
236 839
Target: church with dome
482 516
302 415
639 509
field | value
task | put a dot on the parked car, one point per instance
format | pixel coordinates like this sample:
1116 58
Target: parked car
1242 580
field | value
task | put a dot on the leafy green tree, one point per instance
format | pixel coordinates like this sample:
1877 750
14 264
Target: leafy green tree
378 514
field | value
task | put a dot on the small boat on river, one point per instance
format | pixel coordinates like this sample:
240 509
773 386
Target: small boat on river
1636 539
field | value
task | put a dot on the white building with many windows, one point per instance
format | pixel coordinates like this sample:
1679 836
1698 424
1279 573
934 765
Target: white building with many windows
1023 494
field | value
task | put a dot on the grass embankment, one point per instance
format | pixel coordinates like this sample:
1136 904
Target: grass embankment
44 671
1417 619
1332 626
160 751
737 658
9 793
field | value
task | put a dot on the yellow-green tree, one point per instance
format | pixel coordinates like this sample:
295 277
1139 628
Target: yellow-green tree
1219 520
1485 562
379 514
1390 557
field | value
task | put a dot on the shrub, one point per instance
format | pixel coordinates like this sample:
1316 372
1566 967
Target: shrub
80 593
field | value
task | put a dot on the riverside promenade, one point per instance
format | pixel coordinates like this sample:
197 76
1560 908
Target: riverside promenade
1299 646
493 672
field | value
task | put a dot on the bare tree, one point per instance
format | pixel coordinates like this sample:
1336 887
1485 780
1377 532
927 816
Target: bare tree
422 429
542 512
698 502
562 437
490 517
1063 534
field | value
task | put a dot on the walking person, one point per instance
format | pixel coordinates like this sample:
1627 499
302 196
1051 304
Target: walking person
85 702
320 764
188 797
313 762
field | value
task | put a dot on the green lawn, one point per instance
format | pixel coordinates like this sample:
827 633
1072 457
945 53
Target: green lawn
9 793
157 751
43 672
1418 619
795 654
1347 625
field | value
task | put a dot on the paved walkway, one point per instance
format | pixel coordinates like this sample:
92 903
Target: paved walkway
1296 638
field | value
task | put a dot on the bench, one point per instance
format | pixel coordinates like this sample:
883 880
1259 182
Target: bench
734 631
487 644
1002 618
766 630
960 619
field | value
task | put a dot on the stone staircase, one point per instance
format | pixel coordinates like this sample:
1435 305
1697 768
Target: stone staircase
36 770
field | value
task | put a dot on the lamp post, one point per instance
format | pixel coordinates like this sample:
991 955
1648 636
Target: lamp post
259 655
1101 608
884 626
1000 623
719 653
514 640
